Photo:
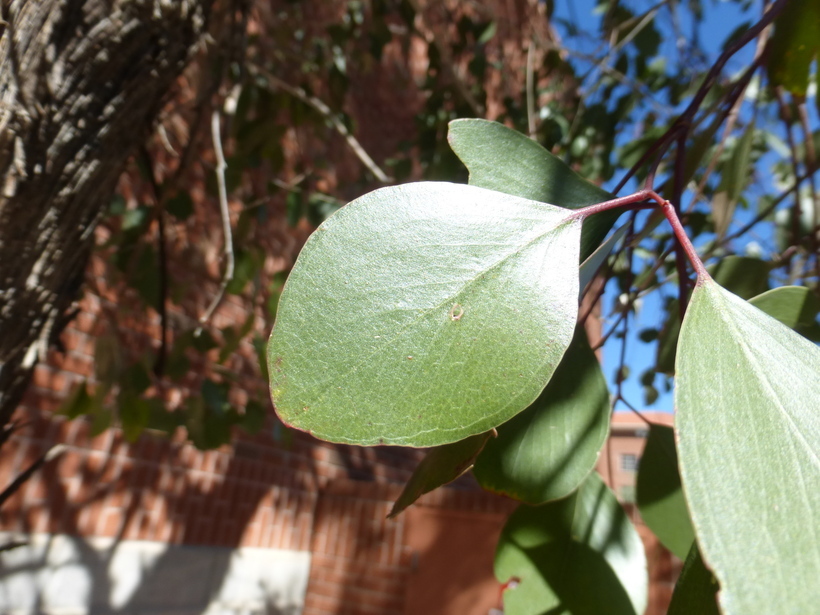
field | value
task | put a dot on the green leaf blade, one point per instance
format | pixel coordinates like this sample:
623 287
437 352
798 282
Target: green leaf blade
499 158
548 450
659 495
795 306
696 588
579 555
422 314
748 432
441 465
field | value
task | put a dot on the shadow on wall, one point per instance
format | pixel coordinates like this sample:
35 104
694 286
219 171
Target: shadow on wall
103 576
158 526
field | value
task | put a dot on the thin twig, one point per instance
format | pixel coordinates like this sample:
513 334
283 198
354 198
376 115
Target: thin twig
684 122
19 481
677 192
531 89
226 221
762 215
327 112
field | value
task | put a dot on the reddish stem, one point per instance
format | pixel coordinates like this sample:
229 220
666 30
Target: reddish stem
636 201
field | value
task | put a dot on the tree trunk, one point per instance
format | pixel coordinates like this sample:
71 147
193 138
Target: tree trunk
81 82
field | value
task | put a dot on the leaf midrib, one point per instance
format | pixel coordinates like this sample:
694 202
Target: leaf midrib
570 219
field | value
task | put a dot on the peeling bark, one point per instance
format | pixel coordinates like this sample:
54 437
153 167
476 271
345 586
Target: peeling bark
81 82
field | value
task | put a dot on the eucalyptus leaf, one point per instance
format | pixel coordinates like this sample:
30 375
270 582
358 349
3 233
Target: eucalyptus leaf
795 306
441 465
735 176
748 430
742 275
579 555
658 492
696 589
794 46
589 268
134 413
80 402
499 158
423 314
548 450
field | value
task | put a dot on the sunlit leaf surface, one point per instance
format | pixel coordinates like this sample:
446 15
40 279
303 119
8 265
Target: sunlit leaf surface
748 427
580 555
422 314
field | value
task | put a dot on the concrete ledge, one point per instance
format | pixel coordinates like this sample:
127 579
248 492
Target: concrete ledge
69 575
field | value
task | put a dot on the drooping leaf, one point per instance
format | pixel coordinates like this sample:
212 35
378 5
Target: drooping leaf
589 268
107 360
441 465
668 339
794 46
742 275
80 402
734 178
579 555
134 413
423 314
499 158
100 421
254 417
795 306
658 492
545 452
748 427
696 589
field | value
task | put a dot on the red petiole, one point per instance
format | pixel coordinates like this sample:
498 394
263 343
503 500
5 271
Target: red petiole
636 201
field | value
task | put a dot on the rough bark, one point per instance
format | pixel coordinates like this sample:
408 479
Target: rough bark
81 82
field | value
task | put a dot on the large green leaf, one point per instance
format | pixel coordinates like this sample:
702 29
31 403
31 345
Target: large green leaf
545 452
696 588
743 275
441 465
579 555
794 306
422 314
659 496
499 158
748 427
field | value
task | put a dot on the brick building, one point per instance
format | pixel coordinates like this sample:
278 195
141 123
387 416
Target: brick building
277 522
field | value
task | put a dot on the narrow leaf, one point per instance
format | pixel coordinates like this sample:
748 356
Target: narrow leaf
502 159
423 314
441 465
589 268
748 428
696 589
579 555
659 496
545 452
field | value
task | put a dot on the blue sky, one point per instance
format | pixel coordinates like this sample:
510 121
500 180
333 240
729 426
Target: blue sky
720 19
